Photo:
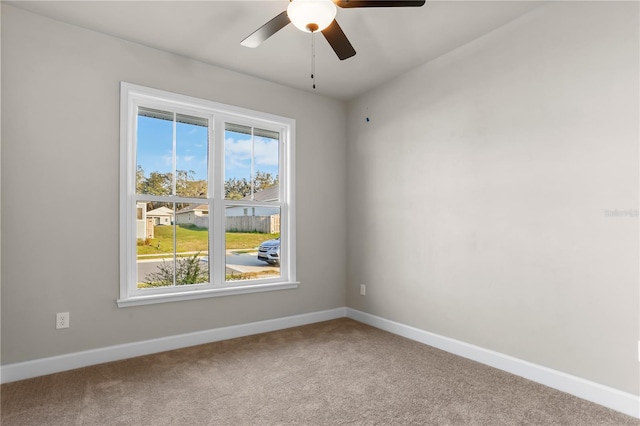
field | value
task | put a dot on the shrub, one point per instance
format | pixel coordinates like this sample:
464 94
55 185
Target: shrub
189 270
144 242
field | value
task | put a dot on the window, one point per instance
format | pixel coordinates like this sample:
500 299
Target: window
202 166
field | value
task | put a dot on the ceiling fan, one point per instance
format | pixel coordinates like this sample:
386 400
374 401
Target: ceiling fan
319 15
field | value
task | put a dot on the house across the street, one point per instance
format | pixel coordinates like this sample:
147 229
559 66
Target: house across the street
255 218
195 214
268 195
161 216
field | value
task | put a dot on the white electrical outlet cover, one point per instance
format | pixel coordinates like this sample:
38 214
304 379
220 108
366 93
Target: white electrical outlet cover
62 320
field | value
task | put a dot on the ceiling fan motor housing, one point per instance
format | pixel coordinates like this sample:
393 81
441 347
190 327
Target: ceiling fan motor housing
311 15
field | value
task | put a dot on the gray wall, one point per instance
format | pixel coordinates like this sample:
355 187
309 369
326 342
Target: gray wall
476 197
60 143
479 191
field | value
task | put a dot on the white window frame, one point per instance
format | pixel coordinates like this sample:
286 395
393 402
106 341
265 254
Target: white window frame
132 96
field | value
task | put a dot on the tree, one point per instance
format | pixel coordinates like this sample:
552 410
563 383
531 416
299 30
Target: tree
162 184
264 180
235 189
157 184
139 179
187 186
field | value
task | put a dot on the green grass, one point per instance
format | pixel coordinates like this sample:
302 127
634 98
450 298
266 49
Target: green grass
250 275
193 239
247 240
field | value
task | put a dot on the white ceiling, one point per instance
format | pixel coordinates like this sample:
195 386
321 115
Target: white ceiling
388 41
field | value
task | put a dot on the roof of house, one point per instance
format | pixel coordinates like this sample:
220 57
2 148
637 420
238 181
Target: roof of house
269 194
193 208
160 211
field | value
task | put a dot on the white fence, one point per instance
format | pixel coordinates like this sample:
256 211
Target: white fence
202 221
263 224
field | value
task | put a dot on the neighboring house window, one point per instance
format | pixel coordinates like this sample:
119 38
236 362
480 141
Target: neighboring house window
187 155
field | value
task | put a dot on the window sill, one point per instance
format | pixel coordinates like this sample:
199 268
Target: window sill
201 294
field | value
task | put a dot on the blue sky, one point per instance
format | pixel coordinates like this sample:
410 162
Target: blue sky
155 146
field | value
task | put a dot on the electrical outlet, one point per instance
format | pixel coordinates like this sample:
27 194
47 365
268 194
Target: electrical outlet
62 320
363 289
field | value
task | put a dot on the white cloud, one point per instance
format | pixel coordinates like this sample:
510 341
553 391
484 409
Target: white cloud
238 155
265 152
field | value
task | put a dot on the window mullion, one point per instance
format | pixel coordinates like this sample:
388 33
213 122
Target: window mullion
174 179
252 175
174 159
217 238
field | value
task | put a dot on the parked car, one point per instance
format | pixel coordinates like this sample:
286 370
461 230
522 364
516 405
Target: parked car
269 251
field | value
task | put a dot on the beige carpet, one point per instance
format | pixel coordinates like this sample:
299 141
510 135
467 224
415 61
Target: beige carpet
331 373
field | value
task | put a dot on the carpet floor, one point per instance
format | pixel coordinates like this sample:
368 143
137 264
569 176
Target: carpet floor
331 373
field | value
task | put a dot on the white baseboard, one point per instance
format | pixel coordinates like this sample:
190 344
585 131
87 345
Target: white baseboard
609 397
56 364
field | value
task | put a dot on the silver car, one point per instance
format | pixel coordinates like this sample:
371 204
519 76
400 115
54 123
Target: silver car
269 251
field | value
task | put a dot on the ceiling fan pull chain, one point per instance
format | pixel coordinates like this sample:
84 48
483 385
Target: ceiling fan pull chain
313 58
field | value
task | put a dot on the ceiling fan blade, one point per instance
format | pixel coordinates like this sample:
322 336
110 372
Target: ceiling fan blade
379 3
267 30
338 41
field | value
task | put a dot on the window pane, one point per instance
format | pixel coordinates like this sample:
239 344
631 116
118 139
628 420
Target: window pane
251 163
192 140
155 236
154 152
192 244
237 161
172 252
252 242
267 169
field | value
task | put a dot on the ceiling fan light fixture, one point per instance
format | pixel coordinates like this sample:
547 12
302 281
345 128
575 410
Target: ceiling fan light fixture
311 15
